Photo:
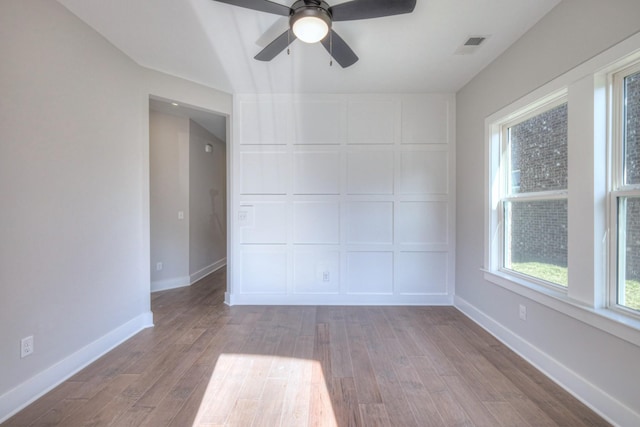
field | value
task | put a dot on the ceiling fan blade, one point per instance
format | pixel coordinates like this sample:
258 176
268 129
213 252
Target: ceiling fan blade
339 49
365 9
278 26
275 47
260 5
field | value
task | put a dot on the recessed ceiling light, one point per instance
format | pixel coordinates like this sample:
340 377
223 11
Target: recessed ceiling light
175 104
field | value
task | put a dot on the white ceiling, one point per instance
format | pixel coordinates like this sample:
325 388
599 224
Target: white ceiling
214 44
214 123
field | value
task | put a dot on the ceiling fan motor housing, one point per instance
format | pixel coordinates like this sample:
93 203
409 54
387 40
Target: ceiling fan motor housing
302 9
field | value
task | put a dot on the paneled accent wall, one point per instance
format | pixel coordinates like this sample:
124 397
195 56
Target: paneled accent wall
343 199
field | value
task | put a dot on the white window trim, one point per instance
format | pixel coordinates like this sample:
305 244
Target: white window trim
499 153
504 172
593 309
615 81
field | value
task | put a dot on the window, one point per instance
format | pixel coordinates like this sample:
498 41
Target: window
562 193
625 195
533 199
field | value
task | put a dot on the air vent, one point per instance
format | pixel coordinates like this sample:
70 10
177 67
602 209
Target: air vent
474 41
470 45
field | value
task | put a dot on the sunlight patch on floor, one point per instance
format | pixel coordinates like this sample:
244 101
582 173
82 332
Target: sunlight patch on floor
263 390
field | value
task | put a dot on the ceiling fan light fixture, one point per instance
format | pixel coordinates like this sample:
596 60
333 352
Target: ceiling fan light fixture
310 21
310 24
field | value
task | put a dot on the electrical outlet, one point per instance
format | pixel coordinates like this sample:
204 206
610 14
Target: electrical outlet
180 214
523 312
26 346
326 276
159 266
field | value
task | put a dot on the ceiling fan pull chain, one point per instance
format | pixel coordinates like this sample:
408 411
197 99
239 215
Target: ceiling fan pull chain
288 41
330 48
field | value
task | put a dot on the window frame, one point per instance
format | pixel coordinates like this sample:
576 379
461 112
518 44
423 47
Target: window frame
504 195
618 189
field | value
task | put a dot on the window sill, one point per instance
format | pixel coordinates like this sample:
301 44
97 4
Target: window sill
617 324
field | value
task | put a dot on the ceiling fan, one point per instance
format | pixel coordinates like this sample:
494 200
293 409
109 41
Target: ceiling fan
310 21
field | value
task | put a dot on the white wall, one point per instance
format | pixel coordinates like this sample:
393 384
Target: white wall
169 185
207 202
348 199
72 248
74 185
598 367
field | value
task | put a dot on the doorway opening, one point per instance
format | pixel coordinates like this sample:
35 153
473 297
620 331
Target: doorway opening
188 193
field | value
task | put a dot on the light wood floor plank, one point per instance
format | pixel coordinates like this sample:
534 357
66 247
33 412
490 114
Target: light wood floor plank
295 408
506 414
243 414
363 373
344 400
271 403
85 413
464 395
56 414
374 415
133 417
386 354
172 403
42 405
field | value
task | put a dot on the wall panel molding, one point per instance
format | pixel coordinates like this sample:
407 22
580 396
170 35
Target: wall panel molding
343 199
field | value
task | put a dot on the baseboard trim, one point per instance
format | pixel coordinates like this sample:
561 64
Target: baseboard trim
605 405
176 282
336 299
24 394
181 282
204 272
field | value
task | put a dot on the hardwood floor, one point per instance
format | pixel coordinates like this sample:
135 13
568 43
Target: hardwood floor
207 364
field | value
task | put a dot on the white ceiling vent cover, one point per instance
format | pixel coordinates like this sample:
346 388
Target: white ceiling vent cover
470 45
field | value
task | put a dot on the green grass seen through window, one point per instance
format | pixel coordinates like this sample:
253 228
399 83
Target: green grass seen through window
549 272
558 275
